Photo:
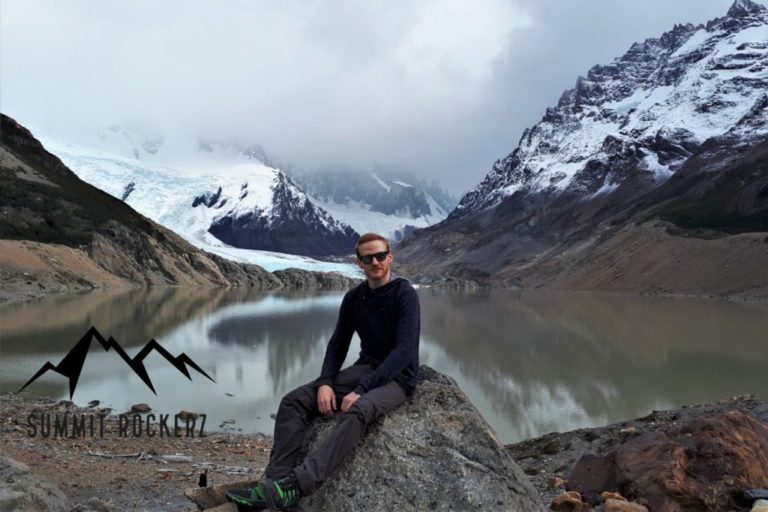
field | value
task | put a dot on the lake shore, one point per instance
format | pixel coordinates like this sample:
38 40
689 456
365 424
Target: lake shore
554 455
129 472
133 473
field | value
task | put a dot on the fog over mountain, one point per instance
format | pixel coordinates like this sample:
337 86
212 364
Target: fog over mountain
440 89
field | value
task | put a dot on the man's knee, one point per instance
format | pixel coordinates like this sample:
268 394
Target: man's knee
364 410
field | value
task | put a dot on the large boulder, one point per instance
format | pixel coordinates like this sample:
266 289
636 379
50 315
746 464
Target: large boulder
703 465
435 452
22 491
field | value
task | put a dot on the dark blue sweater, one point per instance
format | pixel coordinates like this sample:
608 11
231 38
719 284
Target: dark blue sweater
388 321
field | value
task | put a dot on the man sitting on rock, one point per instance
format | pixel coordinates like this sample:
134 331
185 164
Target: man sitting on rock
384 311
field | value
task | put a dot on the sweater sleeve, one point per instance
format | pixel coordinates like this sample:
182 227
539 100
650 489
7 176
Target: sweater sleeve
338 346
406 342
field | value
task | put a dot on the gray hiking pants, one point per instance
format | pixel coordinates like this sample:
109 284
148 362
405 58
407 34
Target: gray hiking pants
299 407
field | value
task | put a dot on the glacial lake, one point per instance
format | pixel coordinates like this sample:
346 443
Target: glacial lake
532 362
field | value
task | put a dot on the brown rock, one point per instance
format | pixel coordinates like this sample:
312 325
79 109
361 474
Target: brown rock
140 408
187 415
209 497
227 507
612 505
556 482
701 466
592 475
607 495
569 502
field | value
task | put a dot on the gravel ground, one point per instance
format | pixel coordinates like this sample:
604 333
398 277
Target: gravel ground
129 472
141 481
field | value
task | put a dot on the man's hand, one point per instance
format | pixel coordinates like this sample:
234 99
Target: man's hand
326 400
349 400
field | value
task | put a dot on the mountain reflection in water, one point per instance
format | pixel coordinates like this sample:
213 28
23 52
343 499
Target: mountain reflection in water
532 362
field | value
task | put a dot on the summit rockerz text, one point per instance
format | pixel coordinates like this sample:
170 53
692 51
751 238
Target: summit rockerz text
128 425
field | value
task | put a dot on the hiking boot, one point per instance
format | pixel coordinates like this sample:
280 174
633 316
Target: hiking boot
281 494
248 499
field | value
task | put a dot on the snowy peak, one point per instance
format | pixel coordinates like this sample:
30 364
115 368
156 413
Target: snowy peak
742 8
741 12
368 201
263 209
644 114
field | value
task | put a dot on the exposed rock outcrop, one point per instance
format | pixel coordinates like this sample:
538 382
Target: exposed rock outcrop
290 224
702 466
294 278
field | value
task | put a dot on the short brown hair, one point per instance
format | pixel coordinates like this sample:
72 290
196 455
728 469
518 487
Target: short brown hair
369 237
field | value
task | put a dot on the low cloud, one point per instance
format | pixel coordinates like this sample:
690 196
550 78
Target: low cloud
440 88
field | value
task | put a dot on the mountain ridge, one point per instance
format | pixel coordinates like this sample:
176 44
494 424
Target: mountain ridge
645 141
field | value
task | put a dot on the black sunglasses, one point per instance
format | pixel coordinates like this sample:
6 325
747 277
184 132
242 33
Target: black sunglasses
368 258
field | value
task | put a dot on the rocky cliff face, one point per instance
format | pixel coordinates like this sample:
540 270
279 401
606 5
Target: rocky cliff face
61 234
672 131
289 223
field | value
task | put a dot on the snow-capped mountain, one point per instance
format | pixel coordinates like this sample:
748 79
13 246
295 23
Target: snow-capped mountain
626 182
217 202
650 108
283 220
329 203
367 201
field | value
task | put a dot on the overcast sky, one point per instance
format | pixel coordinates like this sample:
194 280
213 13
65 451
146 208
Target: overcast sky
439 88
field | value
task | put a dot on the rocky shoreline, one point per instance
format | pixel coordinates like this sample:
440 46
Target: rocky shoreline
550 459
129 473
31 270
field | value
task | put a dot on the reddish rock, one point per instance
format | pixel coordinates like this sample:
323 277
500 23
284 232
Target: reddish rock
569 502
607 495
140 408
701 466
592 475
612 505
556 482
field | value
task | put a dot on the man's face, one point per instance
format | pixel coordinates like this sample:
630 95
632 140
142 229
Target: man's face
376 269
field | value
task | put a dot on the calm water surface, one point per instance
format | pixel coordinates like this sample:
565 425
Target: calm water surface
532 362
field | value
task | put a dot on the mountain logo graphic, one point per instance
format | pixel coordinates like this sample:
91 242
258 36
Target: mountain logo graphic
72 364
